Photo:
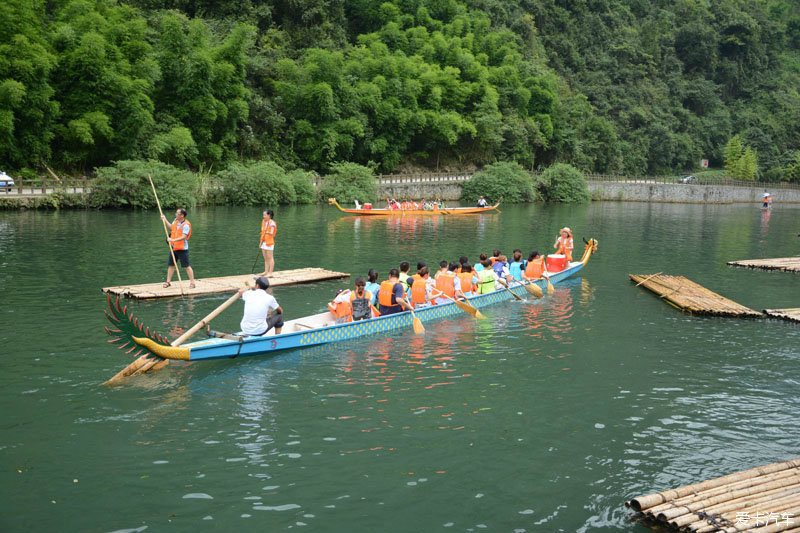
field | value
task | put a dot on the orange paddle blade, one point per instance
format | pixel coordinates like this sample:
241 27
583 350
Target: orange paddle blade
418 327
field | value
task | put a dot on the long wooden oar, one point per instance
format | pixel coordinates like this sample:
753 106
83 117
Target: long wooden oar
505 286
417 323
145 363
171 251
465 306
256 261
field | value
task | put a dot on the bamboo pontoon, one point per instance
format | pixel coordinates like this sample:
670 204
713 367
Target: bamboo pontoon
692 298
765 499
792 315
785 264
222 284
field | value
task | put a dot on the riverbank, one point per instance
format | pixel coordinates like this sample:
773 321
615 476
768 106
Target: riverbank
448 188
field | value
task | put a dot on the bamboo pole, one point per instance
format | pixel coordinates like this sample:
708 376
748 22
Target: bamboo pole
641 503
145 363
654 511
739 503
725 497
702 525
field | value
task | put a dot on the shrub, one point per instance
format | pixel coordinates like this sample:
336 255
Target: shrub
508 180
303 183
126 185
565 183
264 183
349 182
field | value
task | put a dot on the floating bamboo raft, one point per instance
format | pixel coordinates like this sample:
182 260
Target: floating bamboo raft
222 284
690 297
786 264
765 499
792 315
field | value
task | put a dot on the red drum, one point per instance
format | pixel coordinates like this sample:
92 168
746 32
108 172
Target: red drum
367 206
556 262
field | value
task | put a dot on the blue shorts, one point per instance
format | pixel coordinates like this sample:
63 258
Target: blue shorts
180 255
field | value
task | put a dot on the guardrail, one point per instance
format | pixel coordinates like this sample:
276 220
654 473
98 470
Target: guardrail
26 187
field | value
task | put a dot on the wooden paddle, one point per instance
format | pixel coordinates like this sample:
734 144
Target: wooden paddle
505 286
533 289
546 276
256 261
171 251
465 306
146 363
419 329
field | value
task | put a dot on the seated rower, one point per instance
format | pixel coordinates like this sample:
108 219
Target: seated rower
482 202
501 271
477 267
392 297
405 267
361 307
442 269
422 289
449 285
373 286
516 266
340 306
486 277
535 266
258 305
563 244
495 256
469 283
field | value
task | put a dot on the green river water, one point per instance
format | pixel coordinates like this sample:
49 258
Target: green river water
545 417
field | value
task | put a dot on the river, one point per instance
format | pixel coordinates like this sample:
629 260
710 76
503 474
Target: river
545 417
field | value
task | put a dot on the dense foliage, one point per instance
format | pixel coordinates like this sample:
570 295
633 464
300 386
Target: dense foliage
257 184
349 182
634 86
501 180
566 184
126 185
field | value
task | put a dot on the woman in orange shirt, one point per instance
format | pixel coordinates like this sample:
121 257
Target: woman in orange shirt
267 241
563 244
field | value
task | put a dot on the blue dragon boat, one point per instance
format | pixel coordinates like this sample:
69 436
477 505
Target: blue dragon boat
307 331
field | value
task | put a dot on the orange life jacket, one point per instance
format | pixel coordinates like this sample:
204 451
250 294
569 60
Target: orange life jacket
268 231
341 309
494 259
446 283
467 285
535 268
418 291
386 294
565 247
177 232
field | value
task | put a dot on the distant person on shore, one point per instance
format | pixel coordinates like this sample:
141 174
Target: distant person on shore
267 242
258 304
563 244
482 202
180 232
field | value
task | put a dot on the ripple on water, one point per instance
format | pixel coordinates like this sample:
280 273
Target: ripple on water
197 496
285 507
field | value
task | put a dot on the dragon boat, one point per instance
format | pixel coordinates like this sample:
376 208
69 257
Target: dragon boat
312 330
414 212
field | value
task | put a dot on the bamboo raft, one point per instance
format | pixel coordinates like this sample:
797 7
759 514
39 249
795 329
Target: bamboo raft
792 315
785 264
222 284
765 499
692 298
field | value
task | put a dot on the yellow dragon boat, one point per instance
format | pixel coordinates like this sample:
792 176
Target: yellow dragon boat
413 212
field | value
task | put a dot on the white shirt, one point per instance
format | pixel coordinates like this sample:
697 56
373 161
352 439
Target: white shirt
257 304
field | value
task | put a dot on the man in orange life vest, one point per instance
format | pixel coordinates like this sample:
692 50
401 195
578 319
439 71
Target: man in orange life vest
392 296
180 231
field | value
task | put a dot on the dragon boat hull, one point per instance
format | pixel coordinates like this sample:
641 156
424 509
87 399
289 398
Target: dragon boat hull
415 212
321 329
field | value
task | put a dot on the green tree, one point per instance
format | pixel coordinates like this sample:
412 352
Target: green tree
507 180
566 184
348 182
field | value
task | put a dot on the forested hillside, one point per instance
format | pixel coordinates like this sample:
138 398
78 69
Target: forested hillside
634 86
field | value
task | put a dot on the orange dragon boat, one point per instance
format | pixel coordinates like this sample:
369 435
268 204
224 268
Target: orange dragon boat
407 212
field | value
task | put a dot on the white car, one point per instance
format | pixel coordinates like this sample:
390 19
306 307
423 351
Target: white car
6 181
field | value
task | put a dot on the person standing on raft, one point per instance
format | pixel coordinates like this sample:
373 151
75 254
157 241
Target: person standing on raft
267 241
180 231
563 244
